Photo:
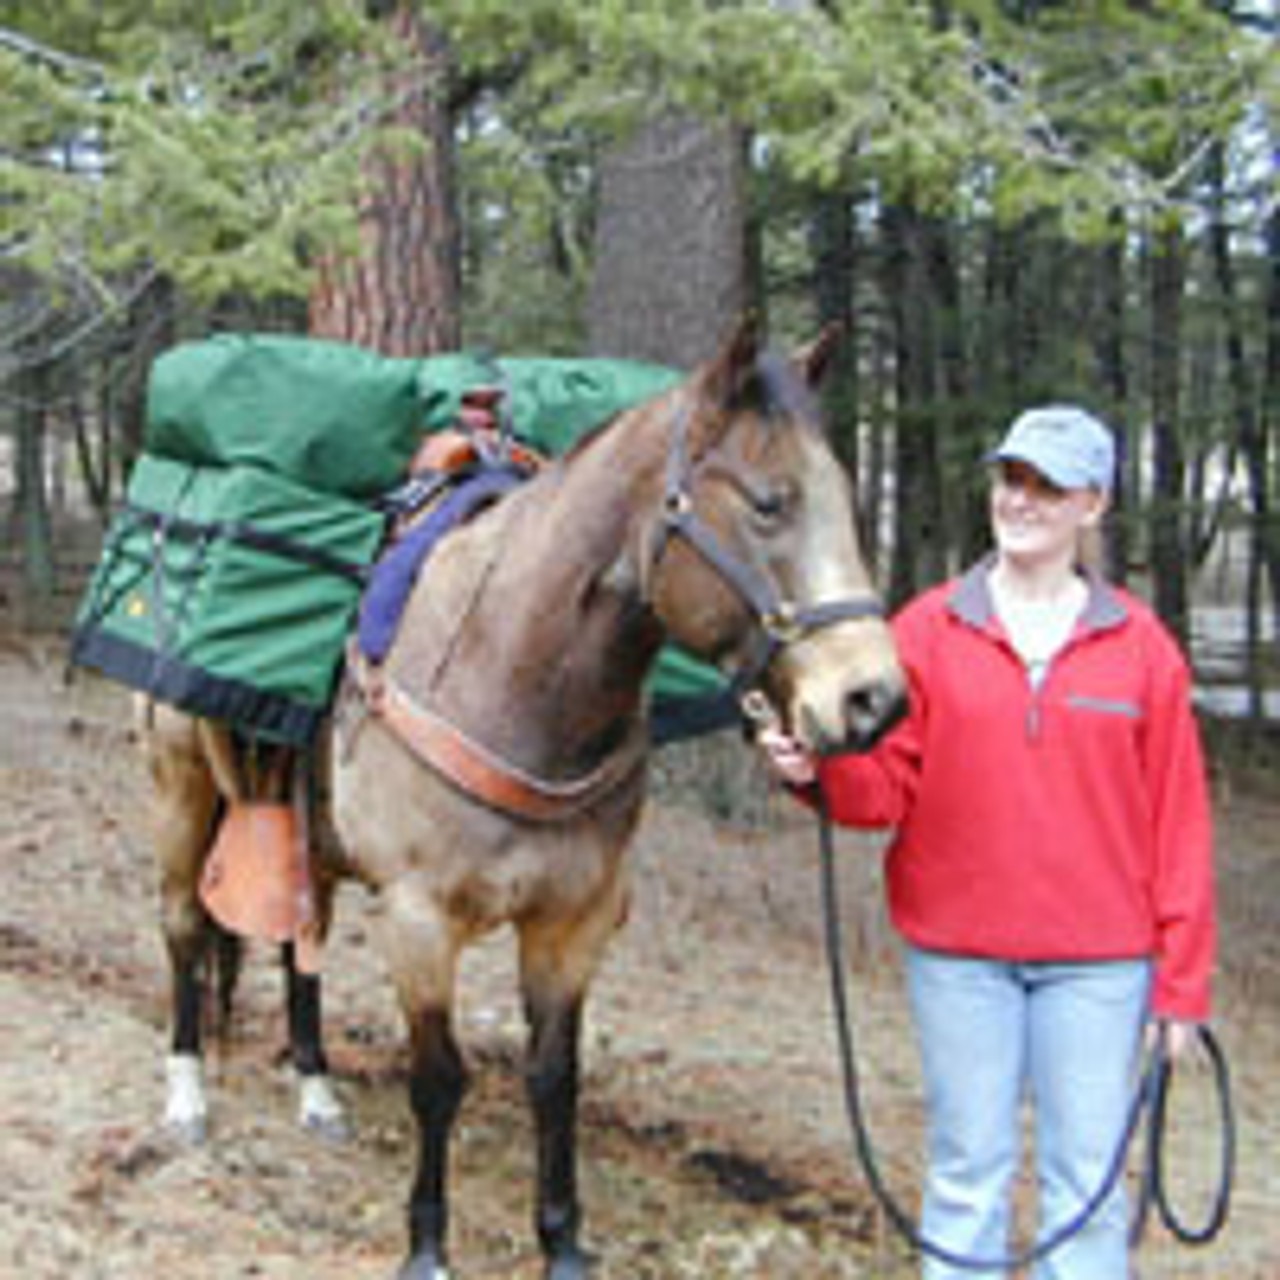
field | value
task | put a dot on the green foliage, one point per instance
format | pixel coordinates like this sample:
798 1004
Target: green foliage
527 231
222 142
219 144
1076 109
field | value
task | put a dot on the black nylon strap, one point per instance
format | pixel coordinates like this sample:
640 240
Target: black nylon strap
770 638
247 535
748 581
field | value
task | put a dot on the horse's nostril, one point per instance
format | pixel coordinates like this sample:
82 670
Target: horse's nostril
871 710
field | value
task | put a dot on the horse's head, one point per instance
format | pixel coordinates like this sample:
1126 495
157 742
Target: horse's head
755 558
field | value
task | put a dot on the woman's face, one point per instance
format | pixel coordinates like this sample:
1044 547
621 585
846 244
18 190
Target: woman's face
1035 522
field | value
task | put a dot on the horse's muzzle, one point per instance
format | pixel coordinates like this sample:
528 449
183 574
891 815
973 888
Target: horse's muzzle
865 714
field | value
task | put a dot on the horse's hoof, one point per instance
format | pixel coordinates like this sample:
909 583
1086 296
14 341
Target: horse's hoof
190 1131
334 1129
570 1264
320 1111
424 1266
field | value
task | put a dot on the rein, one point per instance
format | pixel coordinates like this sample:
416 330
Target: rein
780 622
1151 1096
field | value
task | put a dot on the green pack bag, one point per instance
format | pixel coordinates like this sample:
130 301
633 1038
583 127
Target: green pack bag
228 592
330 416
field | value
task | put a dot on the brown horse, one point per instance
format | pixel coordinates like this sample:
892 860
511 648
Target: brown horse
491 771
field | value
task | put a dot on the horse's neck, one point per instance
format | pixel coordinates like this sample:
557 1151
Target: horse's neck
550 643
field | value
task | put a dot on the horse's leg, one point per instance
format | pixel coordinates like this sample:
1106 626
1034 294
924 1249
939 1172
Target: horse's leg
186 1108
186 808
557 962
319 1108
423 952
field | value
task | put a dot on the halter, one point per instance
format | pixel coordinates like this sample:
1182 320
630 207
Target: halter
780 622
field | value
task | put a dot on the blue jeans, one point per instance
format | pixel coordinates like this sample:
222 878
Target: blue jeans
1065 1037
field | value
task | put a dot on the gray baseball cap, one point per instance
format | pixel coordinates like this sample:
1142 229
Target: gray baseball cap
1067 445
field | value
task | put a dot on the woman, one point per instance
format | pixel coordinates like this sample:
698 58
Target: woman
1051 869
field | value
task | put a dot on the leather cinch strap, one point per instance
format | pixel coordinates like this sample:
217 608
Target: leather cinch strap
479 772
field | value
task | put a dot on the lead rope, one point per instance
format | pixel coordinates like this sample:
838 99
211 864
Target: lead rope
1154 1186
1152 1091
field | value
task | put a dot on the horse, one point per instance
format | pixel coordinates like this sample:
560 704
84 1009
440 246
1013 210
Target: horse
490 771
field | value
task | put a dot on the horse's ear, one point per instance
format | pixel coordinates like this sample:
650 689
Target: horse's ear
813 361
729 370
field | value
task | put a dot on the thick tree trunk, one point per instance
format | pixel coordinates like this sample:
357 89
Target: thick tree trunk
670 244
400 294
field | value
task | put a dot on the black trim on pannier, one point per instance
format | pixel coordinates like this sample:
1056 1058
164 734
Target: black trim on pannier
195 690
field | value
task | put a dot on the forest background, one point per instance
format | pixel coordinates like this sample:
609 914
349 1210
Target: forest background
1006 201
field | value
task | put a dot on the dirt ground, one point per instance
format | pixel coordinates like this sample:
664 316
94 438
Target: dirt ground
714 1140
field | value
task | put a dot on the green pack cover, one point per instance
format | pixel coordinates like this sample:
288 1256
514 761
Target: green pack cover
338 418
330 416
552 401
228 592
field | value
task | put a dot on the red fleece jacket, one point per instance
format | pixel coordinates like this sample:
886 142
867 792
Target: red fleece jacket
1068 822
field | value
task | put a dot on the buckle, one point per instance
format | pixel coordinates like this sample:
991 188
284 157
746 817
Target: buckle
782 623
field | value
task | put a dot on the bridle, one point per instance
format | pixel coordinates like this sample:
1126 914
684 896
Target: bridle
780 622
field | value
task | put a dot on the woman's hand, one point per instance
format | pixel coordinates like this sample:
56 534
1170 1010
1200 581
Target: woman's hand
1178 1037
790 761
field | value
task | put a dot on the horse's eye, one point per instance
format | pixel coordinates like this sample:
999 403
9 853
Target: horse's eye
772 504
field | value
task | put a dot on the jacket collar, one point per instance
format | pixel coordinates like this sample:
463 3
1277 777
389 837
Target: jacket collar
970 600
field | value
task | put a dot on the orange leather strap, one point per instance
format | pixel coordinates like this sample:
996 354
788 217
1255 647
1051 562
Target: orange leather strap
476 770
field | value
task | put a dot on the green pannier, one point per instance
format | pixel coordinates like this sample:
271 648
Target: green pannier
228 592
229 582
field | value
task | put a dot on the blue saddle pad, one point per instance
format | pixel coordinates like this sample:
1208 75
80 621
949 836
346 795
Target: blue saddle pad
395 572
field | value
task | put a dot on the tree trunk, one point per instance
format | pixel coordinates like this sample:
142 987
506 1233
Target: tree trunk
1168 543
1266 525
959 448
1246 437
917 532
35 527
670 245
1113 371
153 326
833 251
400 295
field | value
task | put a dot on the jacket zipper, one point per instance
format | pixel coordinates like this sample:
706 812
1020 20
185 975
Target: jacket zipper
1035 714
